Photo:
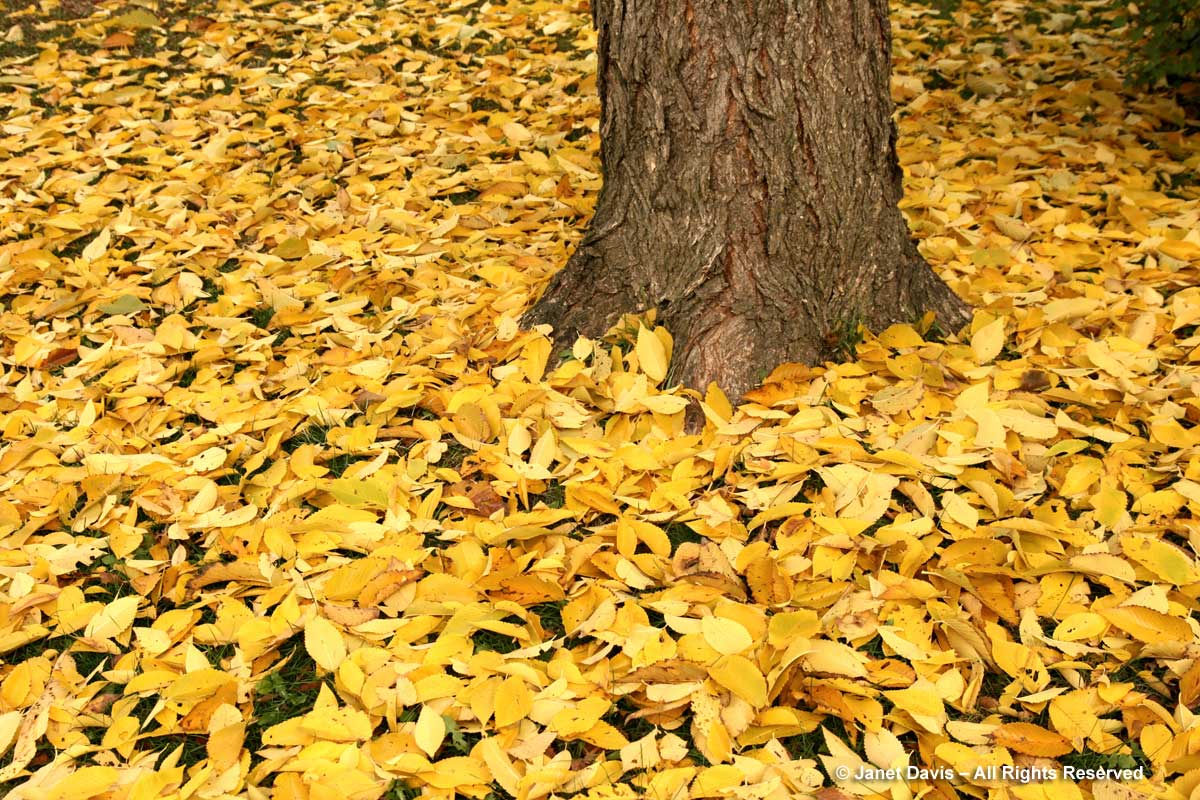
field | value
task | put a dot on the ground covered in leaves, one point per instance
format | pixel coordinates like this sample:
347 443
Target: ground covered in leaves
290 507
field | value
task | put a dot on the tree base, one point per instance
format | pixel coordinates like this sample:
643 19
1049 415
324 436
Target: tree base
737 337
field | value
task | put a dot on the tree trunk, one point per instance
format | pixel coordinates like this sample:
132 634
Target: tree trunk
750 188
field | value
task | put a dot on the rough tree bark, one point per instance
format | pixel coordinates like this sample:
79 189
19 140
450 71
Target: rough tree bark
750 188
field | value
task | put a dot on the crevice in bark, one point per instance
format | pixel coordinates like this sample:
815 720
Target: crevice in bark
751 186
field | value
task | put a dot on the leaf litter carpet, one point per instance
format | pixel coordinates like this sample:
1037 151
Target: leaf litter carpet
290 507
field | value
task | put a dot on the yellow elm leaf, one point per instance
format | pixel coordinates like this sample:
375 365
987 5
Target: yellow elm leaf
1080 626
344 781
842 762
1148 625
1027 425
383 586
579 717
516 132
357 492
97 246
1101 357
923 703
519 440
1012 227
184 692
988 341
504 189
641 754
1109 503
664 403
832 658
1067 308
224 744
301 462
898 397
974 551
1179 249
210 458
430 731
589 447
1030 739
652 536
450 773
18 688
471 422
500 765
1162 503
324 643
1156 741
1172 434
605 736
884 749
740 676
1081 475
1103 564
534 356
1018 660
721 780
718 403
899 336
724 635
545 451
1164 559
790 625
333 724
135 19
960 510
1074 715
347 581
291 248
9 722
709 734
668 341
513 701
73 612
652 355
768 585
116 617
83 783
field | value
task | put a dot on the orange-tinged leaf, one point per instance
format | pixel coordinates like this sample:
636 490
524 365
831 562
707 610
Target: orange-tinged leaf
1024 737
118 39
224 744
384 585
